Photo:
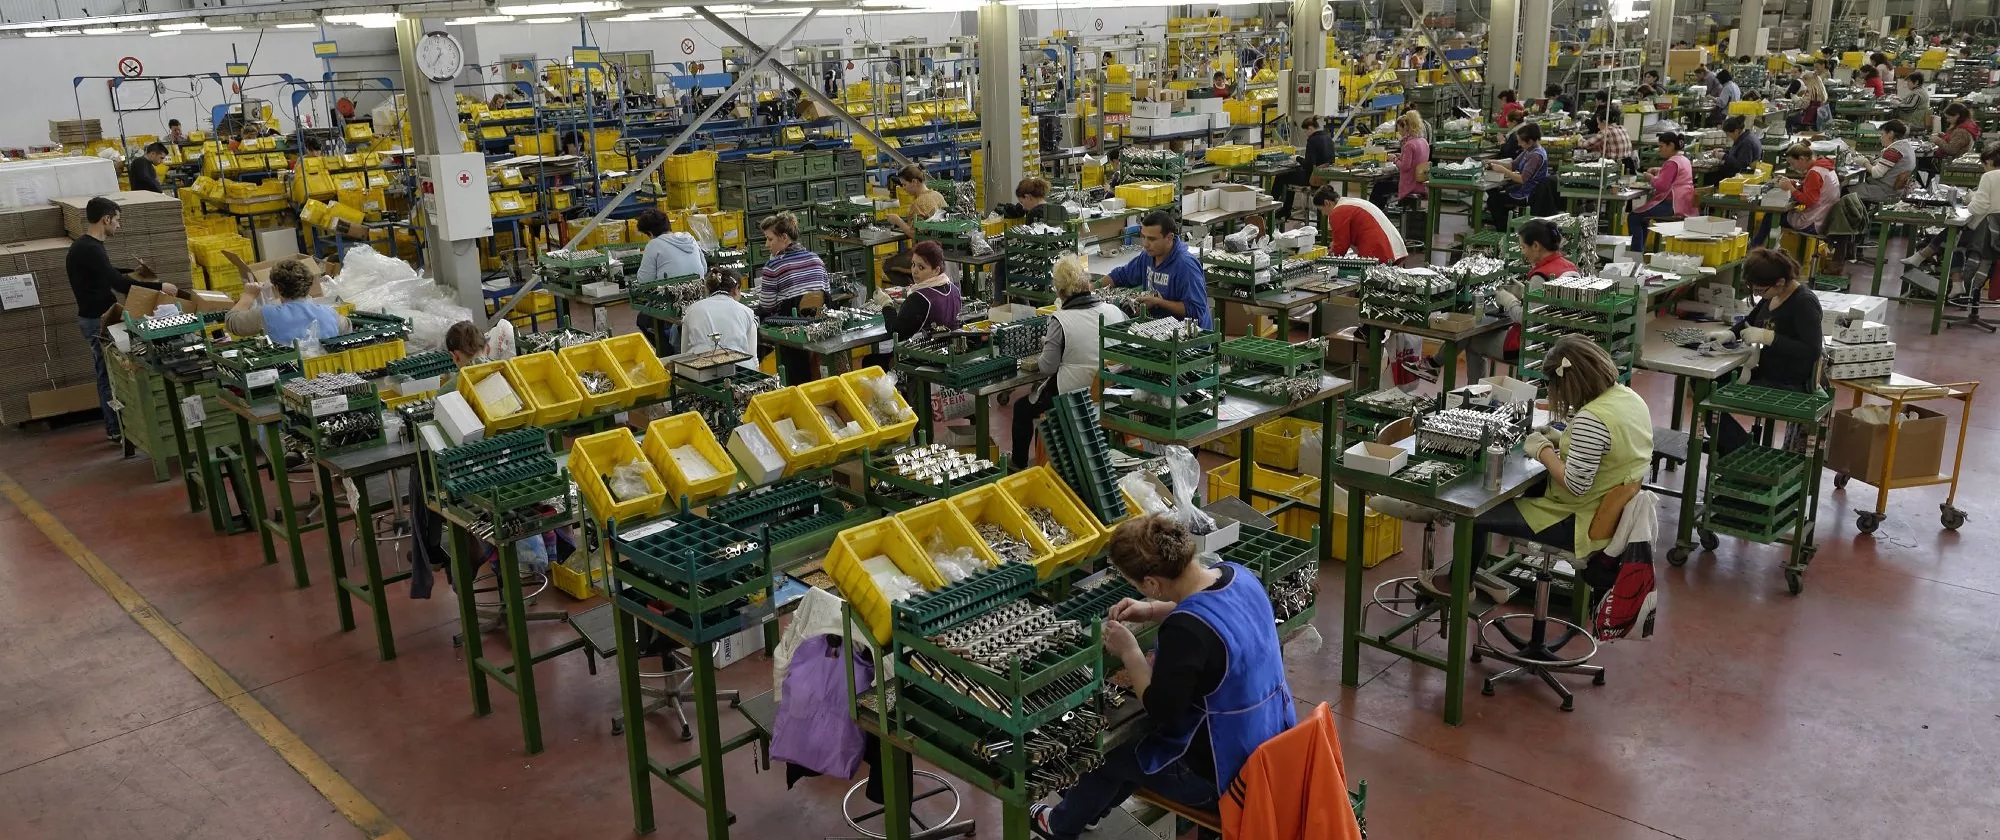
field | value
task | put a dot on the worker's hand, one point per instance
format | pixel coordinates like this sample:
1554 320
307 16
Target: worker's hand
170 290
1515 288
1119 641
1128 609
1506 299
1534 443
252 288
881 298
894 219
1150 299
1758 335
1721 335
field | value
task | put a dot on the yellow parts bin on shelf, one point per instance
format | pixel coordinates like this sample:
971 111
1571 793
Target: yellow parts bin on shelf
846 420
596 459
690 167
854 547
794 428
496 418
375 357
1040 488
1382 539
941 524
991 504
595 356
687 429
681 196
537 144
1234 154
512 203
547 386
1146 194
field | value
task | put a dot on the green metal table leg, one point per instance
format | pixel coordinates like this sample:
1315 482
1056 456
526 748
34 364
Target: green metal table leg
1691 471
1881 250
895 791
631 705
1327 418
1246 466
922 406
1478 210
1431 213
1944 278
1371 339
708 735
181 444
203 465
257 510
461 551
1455 618
371 562
334 554
1680 397
288 512
1014 821
516 608
1350 627
1448 376
982 426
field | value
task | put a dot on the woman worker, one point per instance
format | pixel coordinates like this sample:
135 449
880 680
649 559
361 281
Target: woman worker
924 204
1031 198
1745 149
1069 350
1607 441
293 317
793 280
667 254
1214 688
1815 191
1541 248
720 320
1527 172
1785 322
1413 159
932 301
1360 226
1672 189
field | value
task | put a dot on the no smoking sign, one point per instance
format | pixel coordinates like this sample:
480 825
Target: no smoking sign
130 67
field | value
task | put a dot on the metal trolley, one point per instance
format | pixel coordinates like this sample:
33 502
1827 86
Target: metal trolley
1900 390
1763 492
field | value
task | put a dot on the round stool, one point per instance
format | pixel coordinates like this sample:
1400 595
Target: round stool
943 786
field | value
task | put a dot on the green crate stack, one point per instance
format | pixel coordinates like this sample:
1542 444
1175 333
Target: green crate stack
1029 262
529 506
748 171
1020 338
1241 272
667 297
303 416
788 508
504 458
1382 298
722 402
1254 360
1277 559
144 419
896 492
1756 493
1184 373
1073 431
567 271
254 368
715 580
954 235
1612 322
1789 406
423 365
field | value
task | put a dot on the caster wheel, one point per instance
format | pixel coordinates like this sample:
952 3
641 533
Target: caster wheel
1709 540
1597 680
1486 688
1867 521
1840 481
617 727
1475 656
1004 398
736 703
1951 518
1795 581
1678 555
686 734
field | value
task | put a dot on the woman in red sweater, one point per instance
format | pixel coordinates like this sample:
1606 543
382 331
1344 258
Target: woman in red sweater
1359 225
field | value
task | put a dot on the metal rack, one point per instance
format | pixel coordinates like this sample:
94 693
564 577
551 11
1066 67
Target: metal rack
1759 492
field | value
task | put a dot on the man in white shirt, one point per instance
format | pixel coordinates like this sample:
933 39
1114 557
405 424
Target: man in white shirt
720 320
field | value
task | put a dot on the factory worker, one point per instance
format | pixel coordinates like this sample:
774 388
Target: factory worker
1785 323
1174 280
293 318
1214 688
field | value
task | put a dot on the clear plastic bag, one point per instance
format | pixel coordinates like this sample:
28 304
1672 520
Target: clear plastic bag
879 395
628 481
703 232
1144 493
895 585
308 344
953 564
1186 473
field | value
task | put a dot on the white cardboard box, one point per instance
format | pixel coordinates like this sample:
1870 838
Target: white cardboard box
1715 225
1377 458
1861 370
1507 389
1151 110
1841 353
1218 119
1210 105
756 454
1864 332
1190 123
1237 198
1148 126
461 425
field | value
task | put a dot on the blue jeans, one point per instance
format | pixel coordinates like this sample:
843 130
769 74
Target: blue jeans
1118 778
91 327
1640 218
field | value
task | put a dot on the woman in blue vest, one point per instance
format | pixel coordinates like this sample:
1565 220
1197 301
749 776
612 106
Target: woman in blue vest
1215 689
293 317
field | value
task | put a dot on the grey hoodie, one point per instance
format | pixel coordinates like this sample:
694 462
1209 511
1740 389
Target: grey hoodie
672 255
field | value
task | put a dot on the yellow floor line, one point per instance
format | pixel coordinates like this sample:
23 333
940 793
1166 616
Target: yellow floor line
344 797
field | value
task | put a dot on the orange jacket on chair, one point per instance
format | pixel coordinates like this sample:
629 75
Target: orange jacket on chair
1293 788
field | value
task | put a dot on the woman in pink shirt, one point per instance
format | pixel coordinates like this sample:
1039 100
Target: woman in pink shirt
1412 164
1673 189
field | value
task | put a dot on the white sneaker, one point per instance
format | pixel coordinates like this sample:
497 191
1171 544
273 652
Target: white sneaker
1917 258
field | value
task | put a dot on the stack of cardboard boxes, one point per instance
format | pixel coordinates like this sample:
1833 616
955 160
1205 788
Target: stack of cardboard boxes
48 370
150 229
1159 111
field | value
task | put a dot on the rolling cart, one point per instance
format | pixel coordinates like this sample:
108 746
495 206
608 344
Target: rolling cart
1900 390
1763 492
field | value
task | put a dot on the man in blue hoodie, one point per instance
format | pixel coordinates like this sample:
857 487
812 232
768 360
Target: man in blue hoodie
1175 284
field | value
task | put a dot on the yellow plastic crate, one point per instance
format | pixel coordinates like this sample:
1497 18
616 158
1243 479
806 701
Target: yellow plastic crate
1231 155
940 523
1381 536
688 429
884 537
696 194
831 395
884 435
547 386
1276 444
594 457
316 365
991 503
690 167
475 374
1146 194
375 357
1224 480
1041 487
575 583
769 408
643 372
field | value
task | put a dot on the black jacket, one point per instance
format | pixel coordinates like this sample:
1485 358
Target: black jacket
145 176
1742 155
92 278
1319 149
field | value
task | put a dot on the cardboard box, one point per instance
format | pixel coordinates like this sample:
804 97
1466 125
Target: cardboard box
1237 198
1152 110
1715 225
62 400
1377 458
1858 448
204 300
1207 105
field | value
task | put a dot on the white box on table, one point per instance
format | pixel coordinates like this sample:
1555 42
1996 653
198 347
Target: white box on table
1842 353
1378 458
1238 198
1152 110
1715 225
1210 105
1861 370
1863 332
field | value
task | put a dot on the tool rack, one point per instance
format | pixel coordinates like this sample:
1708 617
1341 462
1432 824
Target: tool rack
1183 372
1287 566
307 418
667 297
1401 296
878 468
1254 361
254 368
721 402
1029 262
566 272
1020 339
1613 322
1759 492
1251 274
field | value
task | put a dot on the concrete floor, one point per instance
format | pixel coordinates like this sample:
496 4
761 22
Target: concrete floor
1864 707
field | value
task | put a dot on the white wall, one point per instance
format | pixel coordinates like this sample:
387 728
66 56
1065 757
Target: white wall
39 84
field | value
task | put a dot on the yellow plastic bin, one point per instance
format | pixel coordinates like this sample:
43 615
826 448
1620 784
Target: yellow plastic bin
555 394
472 375
594 356
897 432
1277 442
1224 480
837 405
943 522
881 538
990 503
688 429
1040 487
375 357
593 458
769 408
641 367
328 363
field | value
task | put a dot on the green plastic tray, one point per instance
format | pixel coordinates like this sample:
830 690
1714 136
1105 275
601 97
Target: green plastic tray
1761 465
1774 403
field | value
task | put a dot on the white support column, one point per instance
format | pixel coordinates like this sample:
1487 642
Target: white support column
1961 10
434 130
1000 97
1822 22
1308 49
1660 35
1749 18
1877 10
1536 28
1500 46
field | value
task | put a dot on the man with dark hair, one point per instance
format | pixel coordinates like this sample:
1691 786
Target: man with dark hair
97 284
1319 152
174 132
1174 281
145 169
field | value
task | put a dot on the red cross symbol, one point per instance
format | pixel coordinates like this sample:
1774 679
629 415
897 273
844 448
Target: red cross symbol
465 179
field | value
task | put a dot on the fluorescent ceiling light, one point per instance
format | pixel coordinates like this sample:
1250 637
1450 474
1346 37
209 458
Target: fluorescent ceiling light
547 20
298 26
167 33
193 24
225 29
376 20
582 8
729 10
112 30
47 33
468 21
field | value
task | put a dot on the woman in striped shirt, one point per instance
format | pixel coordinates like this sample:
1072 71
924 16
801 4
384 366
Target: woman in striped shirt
793 282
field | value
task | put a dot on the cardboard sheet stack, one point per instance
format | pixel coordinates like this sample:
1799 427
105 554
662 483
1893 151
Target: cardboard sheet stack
150 228
75 132
48 370
35 183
